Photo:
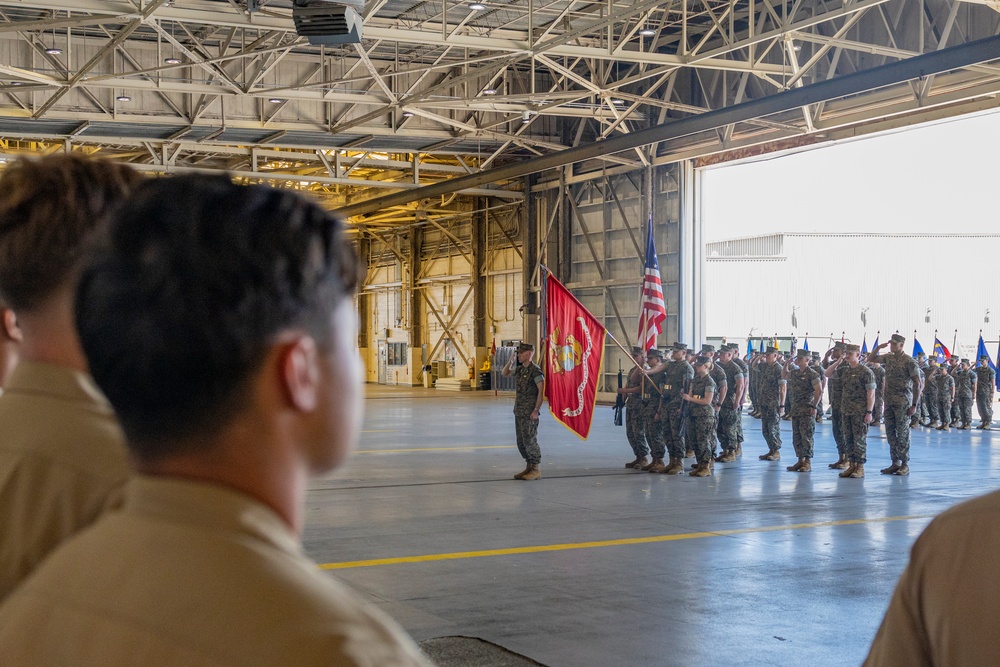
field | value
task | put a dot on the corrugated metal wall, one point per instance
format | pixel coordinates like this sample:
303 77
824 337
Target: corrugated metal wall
898 281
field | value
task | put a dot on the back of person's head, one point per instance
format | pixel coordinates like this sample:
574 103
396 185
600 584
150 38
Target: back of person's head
199 279
53 210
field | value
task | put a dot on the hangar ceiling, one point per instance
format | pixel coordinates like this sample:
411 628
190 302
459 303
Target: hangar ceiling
438 90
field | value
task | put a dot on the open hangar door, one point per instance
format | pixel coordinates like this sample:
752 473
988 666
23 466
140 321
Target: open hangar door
856 239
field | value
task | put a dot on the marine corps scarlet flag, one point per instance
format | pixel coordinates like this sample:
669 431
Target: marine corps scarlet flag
574 352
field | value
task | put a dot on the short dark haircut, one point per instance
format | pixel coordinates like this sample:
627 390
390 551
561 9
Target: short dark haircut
53 210
178 312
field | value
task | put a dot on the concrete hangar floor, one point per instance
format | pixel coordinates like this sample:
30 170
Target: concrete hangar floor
598 565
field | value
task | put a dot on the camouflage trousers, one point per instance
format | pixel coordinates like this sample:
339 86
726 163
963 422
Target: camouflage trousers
944 408
954 410
819 406
726 429
653 430
897 432
929 406
803 428
700 429
856 437
527 439
837 419
770 427
676 446
964 404
635 431
984 403
877 408
739 426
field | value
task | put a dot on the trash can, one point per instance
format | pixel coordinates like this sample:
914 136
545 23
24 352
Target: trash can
486 381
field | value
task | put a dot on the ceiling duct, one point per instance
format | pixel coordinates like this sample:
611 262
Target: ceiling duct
324 22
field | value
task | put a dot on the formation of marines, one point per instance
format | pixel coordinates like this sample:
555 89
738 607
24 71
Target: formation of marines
690 405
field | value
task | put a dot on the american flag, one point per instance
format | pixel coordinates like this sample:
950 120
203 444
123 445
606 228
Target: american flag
652 311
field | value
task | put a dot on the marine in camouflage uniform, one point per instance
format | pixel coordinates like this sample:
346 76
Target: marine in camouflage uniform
834 383
953 367
902 395
946 395
984 394
805 388
636 390
745 369
879 374
929 399
771 392
817 365
965 393
721 386
857 399
528 384
651 415
677 372
701 416
753 380
729 417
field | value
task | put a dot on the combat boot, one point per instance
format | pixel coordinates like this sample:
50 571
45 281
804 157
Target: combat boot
533 473
934 424
859 471
891 470
944 427
840 463
646 467
527 469
676 467
701 470
847 472
819 419
727 457
656 466
796 467
639 462
739 449
773 455
903 471
689 454
806 466
964 427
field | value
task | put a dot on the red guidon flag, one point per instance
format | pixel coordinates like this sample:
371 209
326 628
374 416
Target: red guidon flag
574 354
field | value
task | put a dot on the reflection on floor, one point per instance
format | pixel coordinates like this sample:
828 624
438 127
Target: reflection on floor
598 565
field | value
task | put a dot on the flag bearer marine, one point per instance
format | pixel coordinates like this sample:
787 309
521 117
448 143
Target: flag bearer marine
637 393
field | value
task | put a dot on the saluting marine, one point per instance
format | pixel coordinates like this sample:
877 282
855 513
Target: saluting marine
805 388
857 400
984 394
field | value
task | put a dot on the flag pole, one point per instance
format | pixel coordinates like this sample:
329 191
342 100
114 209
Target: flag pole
608 334
954 342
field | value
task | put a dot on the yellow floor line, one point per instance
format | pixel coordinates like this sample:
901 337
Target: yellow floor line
431 449
609 543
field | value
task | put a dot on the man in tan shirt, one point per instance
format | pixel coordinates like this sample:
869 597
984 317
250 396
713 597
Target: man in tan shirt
220 323
946 602
62 456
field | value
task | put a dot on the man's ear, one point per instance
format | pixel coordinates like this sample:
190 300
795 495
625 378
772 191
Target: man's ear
300 373
9 324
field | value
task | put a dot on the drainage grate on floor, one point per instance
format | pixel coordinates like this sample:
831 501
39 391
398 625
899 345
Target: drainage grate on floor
472 652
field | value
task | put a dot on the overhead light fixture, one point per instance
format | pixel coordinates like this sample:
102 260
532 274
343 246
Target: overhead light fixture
797 47
489 91
275 100
172 61
407 114
477 6
123 98
525 116
53 51
647 32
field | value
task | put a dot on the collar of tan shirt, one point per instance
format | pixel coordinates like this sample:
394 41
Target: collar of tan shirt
41 379
214 508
